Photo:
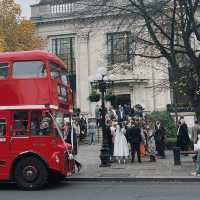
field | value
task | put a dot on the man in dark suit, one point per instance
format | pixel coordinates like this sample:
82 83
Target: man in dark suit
135 138
109 138
120 114
183 140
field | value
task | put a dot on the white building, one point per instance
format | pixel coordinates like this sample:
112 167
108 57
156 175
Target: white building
86 46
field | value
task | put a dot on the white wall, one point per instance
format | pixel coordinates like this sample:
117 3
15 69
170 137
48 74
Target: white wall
91 53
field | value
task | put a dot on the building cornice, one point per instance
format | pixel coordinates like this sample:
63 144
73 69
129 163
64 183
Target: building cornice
133 81
61 19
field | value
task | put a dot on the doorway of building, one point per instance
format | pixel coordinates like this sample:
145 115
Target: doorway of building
123 99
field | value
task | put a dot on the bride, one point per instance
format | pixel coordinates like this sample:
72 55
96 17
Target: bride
121 150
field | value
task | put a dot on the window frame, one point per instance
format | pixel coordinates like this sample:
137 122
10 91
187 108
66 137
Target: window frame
110 47
4 136
8 71
50 63
28 131
51 133
60 92
29 77
14 130
68 56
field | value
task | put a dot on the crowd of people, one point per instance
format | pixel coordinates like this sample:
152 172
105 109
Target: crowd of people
129 133
135 136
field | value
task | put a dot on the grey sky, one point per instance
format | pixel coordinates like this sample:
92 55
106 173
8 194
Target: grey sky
25 5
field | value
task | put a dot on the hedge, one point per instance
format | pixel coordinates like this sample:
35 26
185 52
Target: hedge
167 121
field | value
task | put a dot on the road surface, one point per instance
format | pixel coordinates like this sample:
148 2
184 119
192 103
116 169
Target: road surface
106 191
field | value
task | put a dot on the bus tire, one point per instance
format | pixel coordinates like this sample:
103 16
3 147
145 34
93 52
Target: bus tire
30 173
55 178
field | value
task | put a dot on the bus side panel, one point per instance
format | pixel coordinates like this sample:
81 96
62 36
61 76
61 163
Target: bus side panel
5 171
32 92
5 156
54 92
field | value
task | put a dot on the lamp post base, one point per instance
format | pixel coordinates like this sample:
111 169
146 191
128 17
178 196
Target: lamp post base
105 157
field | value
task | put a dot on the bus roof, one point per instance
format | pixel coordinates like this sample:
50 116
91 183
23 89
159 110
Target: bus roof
30 55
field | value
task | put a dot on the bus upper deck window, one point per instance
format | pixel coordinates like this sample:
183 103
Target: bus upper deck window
55 71
64 78
3 70
29 69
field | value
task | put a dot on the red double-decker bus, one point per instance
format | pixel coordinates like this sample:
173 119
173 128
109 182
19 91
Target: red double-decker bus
34 99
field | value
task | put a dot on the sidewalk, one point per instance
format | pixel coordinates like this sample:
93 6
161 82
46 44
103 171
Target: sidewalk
163 169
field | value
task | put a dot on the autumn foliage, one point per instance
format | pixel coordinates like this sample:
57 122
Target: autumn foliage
16 33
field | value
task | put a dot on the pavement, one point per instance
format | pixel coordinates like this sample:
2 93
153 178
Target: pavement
161 170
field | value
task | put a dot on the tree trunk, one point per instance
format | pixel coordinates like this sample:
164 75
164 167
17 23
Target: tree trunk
196 106
197 112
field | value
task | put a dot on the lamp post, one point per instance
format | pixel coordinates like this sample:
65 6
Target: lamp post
102 83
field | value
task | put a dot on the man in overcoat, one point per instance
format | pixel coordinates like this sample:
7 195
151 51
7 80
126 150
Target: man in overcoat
135 138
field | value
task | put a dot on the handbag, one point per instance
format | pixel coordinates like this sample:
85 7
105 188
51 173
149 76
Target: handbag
142 149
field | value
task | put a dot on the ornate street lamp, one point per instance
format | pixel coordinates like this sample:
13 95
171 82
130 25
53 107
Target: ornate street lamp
103 82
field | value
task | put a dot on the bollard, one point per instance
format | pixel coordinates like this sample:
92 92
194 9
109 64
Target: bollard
177 160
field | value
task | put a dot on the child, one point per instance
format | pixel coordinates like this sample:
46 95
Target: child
197 149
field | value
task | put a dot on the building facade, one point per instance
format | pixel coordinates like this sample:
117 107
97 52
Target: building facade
87 43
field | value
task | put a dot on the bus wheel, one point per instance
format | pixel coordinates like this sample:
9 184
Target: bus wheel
55 178
30 173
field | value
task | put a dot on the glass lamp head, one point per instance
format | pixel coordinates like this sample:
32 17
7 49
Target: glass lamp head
99 76
102 71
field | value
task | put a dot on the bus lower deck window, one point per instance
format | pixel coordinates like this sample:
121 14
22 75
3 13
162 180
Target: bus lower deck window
40 125
2 127
20 123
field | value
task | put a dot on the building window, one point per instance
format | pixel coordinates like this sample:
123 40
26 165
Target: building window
64 48
62 8
29 69
118 47
3 70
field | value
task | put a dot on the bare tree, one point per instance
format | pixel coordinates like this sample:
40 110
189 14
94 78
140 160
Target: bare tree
170 27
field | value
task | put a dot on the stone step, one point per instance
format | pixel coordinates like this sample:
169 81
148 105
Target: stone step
99 137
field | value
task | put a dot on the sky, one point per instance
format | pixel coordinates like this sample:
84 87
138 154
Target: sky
25 5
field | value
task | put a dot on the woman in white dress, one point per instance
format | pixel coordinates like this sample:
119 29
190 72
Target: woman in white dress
121 150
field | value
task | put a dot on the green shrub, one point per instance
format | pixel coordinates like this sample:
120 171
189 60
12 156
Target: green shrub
110 97
180 108
167 121
94 96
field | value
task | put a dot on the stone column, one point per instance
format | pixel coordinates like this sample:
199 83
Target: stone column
131 88
82 71
139 94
